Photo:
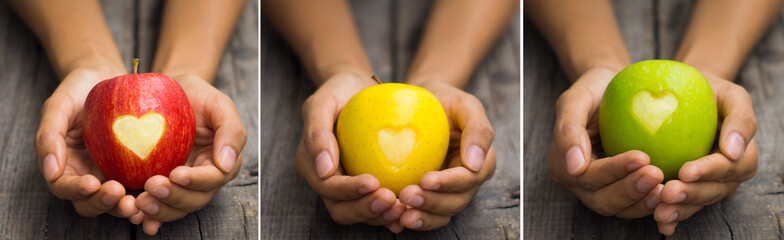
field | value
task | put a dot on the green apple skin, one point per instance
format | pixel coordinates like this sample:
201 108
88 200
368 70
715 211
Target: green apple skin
686 135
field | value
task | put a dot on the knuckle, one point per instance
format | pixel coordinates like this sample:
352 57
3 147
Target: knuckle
588 183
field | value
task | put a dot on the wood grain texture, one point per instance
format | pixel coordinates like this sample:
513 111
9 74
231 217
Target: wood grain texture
653 30
29 211
390 32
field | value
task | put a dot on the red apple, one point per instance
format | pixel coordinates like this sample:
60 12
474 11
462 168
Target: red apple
137 126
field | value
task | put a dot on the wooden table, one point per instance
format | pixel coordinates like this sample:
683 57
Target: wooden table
390 32
29 211
653 29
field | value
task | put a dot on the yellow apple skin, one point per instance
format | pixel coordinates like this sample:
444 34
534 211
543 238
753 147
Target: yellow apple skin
395 132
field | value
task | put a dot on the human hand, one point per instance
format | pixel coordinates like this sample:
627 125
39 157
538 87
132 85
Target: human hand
214 160
348 199
624 185
470 161
709 179
62 157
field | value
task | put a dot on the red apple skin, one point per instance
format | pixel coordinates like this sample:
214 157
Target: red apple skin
137 94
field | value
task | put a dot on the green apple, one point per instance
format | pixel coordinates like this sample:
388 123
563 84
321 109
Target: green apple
663 108
395 132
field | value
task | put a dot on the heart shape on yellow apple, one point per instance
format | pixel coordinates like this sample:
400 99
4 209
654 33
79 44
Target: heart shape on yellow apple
652 110
396 144
140 135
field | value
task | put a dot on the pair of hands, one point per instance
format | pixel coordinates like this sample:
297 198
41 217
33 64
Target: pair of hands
625 185
441 194
71 174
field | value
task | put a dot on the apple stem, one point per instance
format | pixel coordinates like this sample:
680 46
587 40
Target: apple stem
376 79
135 63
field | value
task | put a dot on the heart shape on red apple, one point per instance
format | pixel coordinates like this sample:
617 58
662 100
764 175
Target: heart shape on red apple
137 126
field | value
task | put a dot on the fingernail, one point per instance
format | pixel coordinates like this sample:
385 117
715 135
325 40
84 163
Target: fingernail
180 178
476 157
735 145
679 198
109 200
672 218
50 166
432 186
379 205
323 164
652 203
160 193
634 166
390 216
228 158
417 224
415 201
151 209
364 190
574 160
646 183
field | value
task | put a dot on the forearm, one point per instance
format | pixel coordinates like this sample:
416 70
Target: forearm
323 35
583 34
456 38
193 35
73 33
721 33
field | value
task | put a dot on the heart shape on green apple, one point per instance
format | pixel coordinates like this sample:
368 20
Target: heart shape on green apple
654 110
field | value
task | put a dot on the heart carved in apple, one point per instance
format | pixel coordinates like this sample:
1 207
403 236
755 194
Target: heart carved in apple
663 108
136 126
653 111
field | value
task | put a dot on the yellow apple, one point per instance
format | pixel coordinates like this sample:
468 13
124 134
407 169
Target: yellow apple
395 132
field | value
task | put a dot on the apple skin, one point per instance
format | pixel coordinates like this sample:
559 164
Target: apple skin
686 135
135 95
395 132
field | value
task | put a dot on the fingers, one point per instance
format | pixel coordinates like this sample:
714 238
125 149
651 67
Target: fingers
717 167
319 114
418 220
137 218
617 196
176 196
72 187
126 208
477 133
157 210
605 171
230 135
367 208
343 188
151 226
667 228
739 123
49 141
703 193
459 179
570 138
105 199
205 177
446 204
644 207
673 213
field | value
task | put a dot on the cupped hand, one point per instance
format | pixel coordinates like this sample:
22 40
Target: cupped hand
348 199
214 161
62 157
470 161
709 179
625 185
